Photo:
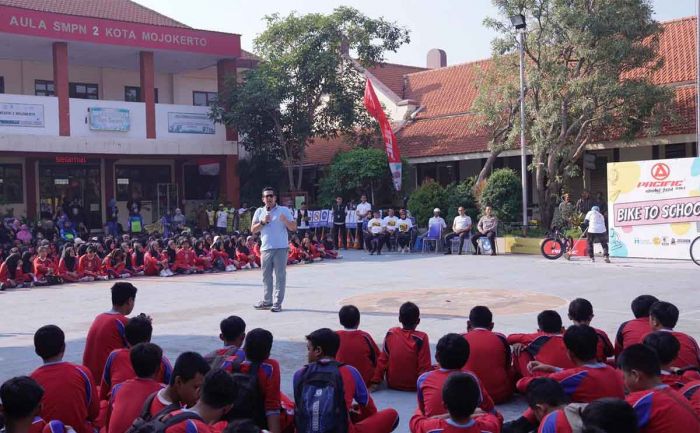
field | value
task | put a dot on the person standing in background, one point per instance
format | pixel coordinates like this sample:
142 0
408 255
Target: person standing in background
339 213
363 212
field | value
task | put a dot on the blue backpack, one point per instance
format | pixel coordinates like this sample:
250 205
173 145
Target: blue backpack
320 400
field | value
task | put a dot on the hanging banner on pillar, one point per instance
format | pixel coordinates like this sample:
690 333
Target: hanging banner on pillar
654 207
374 108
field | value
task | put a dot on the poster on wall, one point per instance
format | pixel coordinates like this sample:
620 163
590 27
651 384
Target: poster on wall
109 119
654 207
190 123
22 115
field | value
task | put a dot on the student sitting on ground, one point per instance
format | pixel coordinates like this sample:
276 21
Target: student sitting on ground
232 334
663 316
691 392
461 396
405 353
547 402
118 367
667 347
127 398
218 393
581 313
107 330
451 353
659 408
21 404
70 394
490 357
90 264
546 345
273 411
609 415
183 389
357 348
325 383
633 331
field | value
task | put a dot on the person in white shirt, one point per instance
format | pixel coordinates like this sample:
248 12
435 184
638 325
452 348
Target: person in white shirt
376 229
221 219
437 220
461 227
405 230
363 213
391 222
596 232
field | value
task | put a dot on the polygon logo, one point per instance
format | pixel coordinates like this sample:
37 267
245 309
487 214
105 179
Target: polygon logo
660 171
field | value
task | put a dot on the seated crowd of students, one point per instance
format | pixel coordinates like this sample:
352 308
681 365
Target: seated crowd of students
573 379
124 257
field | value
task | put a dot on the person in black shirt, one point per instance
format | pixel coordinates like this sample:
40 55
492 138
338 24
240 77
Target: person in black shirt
339 212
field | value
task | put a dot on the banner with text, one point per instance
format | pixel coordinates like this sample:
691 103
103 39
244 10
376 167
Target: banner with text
22 115
654 207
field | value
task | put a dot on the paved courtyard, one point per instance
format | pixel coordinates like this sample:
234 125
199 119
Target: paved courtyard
186 310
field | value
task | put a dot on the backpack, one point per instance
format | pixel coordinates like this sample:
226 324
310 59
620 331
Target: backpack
161 421
216 360
320 400
249 401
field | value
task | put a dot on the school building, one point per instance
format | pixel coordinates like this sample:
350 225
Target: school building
107 99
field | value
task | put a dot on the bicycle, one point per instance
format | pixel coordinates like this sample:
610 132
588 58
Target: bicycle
695 250
556 244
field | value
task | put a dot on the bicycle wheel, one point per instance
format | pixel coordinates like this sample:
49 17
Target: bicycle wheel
695 250
552 248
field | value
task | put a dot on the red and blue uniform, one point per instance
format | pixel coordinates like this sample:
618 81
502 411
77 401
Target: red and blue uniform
369 420
188 426
689 354
126 403
429 394
490 360
663 410
555 422
70 395
586 383
118 369
105 335
481 424
405 356
357 348
691 392
540 346
605 348
631 332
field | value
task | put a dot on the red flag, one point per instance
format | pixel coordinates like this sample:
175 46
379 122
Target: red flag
374 108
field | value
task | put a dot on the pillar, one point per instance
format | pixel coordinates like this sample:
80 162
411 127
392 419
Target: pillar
229 181
30 187
60 83
147 74
226 70
110 192
180 182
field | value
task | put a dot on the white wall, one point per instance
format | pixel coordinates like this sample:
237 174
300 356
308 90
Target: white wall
50 105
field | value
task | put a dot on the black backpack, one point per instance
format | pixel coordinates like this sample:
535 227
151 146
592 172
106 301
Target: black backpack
249 402
142 424
320 400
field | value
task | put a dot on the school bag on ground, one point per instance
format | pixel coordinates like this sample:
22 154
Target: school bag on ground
320 400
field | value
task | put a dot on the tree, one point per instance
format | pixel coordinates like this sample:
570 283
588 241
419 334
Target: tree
503 193
355 172
425 198
589 65
257 172
306 86
461 194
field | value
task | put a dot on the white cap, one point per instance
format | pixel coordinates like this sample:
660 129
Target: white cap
437 209
78 241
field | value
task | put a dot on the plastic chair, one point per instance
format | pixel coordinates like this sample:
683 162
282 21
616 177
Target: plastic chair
466 247
434 235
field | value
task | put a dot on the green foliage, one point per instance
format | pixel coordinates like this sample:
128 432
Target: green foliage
424 199
256 173
306 86
579 55
355 172
503 193
461 194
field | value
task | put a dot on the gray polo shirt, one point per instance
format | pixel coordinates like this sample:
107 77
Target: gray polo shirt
273 234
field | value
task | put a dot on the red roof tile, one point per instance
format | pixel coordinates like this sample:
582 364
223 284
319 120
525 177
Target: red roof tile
442 136
392 75
322 150
120 10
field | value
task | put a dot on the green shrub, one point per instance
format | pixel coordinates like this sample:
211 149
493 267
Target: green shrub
503 193
461 194
424 199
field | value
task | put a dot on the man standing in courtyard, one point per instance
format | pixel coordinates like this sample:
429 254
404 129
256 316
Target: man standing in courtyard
273 222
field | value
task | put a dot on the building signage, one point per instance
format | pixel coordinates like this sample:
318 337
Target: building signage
653 207
22 115
71 159
190 123
108 119
104 31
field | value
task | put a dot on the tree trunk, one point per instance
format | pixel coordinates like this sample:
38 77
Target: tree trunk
300 174
290 173
488 165
543 202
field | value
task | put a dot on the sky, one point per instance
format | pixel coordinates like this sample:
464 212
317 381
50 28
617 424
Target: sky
452 25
